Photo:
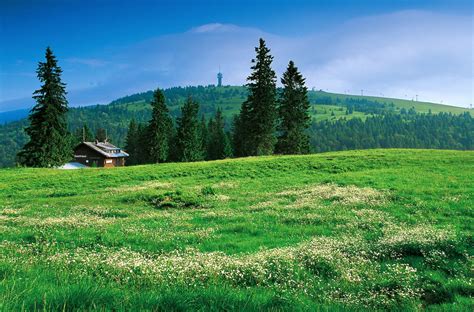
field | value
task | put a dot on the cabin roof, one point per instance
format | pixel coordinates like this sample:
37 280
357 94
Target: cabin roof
106 149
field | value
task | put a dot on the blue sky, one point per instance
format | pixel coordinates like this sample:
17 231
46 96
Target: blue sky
108 49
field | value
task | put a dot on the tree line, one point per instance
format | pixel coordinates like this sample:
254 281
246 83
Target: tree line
267 123
191 139
271 120
389 130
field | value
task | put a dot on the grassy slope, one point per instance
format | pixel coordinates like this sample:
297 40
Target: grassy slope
231 105
423 107
357 221
420 107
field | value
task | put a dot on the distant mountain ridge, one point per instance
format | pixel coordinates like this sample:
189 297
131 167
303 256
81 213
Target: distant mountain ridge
14 115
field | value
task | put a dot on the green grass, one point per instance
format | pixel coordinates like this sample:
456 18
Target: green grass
419 106
320 112
422 107
378 229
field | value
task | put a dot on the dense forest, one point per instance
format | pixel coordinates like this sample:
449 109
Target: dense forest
338 122
406 130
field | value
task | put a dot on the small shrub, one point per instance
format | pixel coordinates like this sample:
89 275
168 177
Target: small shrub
208 191
176 199
62 194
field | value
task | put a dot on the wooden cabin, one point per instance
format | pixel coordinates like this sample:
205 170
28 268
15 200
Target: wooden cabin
99 154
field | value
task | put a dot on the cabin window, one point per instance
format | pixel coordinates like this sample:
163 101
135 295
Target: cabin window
108 161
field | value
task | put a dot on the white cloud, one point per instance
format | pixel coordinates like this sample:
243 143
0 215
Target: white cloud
215 27
397 55
92 62
400 54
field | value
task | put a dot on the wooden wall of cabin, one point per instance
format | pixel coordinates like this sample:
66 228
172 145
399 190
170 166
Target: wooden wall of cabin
90 158
114 162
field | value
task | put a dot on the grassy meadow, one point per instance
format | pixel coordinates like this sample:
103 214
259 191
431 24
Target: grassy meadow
358 230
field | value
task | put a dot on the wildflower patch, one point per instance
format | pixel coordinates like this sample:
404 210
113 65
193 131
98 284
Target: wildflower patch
399 240
341 195
149 185
314 268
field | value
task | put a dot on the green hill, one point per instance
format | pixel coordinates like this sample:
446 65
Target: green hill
418 106
331 107
229 99
374 229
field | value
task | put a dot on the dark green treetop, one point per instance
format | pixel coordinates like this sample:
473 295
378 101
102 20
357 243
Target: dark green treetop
83 134
219 146
204 132
131 143
188 136
159 129
258 113
101 135
294 113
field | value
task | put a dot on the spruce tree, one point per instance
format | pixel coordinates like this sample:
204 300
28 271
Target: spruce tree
88 136
159 129
141 144
238 144
136 142
257 120
204 133
218 144
173 152
101 135
131 142
208 147
188 136
50 141
294 113
83 134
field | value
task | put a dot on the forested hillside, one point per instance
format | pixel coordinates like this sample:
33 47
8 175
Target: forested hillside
339 122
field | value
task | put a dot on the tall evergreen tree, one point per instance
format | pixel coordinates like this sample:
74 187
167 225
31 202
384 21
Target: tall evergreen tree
136 142
239 135
83 134
208 145
257 119
294 113
101 135
204 133
228 150
218 144
141 144
50 141
131 143
159 129
188 136
173 152
87 133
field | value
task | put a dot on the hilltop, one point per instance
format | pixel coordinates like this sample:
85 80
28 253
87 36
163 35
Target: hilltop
229 98
374 229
